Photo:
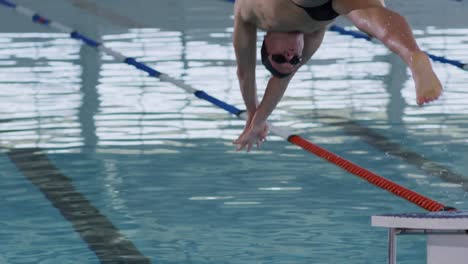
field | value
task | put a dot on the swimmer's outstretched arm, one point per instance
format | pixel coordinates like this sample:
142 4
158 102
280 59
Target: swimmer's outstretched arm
394 32
245 48
276 87
372 17
257 128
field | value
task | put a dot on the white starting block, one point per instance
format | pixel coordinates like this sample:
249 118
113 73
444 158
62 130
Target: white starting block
447 234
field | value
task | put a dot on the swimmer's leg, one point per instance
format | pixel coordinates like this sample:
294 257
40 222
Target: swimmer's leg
393 30
428 86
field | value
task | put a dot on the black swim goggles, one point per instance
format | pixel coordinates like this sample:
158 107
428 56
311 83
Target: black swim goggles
278 59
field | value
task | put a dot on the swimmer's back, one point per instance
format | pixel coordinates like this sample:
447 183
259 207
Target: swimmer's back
277 15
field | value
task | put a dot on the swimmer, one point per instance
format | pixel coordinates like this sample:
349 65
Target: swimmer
294 31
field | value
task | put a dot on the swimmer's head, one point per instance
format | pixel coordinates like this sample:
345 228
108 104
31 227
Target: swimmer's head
282 52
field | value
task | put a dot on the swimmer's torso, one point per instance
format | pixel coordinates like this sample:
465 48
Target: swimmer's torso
279 15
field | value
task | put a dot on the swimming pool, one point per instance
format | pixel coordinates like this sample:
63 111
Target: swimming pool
102 163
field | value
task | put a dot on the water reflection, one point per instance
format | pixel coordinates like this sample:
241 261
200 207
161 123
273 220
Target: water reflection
78 97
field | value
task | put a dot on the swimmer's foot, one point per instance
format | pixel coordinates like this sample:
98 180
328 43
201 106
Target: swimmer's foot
428 86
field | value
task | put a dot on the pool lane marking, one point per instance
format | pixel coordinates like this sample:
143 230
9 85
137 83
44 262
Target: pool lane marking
377 180
384 144
101 236
107 14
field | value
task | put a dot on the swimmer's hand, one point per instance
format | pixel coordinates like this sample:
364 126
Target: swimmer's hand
254 133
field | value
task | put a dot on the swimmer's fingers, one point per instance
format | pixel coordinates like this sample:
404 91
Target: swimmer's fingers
241 144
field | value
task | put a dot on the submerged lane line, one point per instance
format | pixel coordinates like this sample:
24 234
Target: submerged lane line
384 144
107 14
377 180
101 236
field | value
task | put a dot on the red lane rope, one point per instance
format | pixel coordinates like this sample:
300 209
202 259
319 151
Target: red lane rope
369 176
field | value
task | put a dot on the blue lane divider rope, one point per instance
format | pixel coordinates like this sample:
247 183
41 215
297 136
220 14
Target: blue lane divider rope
128 60
360 35
231 109
8 4
77 35
441 59
143 67
40 20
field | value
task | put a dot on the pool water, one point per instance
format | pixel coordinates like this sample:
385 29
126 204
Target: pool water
100 163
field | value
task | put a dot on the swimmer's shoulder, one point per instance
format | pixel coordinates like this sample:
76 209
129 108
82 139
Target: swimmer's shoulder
245 10
260 11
